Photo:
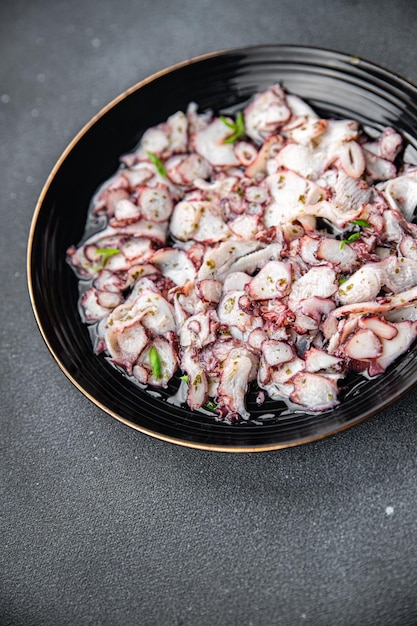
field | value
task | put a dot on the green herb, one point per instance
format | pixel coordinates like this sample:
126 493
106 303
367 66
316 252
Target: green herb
361 223
342 280
155 362
238 127
106 253
184 377
210 405
355 236
158 163
350 239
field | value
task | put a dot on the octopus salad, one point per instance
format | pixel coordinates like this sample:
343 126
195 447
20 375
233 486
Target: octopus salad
266 249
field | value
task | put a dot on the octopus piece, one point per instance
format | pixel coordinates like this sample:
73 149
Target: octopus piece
245 152
235 281
387 146
186 168
364 344
96 304
290 194
333 212
209 290
316 391
199 330
197 379
258 167
311 151
156 313
316 308
396 346
301 159
108 281
276 352
378 168
239 369
222 259
350 193
383 304
174 264
277 381
125 340
305 129
125 211
245 226
318 281
210 143
352 159
163 350
166 138
364 285
300 108
342 258
113 190
272 281
155 203
254 260
266 114
198 220
238 315
396 274
401 193
317 360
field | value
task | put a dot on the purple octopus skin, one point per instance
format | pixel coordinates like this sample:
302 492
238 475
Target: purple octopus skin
272 248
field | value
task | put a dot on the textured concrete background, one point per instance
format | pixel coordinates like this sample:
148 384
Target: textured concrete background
104 525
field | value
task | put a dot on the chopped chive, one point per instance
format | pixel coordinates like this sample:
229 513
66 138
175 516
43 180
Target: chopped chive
238 127
231 125
185 378
106 253
210 405
353 237
361 223
158 163
155 362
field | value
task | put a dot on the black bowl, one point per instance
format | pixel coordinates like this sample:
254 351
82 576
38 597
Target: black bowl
335 84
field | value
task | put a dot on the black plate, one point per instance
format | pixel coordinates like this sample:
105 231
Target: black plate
334 84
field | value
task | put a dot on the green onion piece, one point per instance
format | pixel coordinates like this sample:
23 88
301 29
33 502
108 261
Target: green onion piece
361 223
238 127
155 362
342 280
210 405
158 163
106 253
231 125
353 237
184 377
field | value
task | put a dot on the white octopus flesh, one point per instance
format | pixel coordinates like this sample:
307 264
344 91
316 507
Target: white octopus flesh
276 252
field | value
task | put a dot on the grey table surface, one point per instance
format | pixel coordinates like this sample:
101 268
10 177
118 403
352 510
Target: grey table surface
104 525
